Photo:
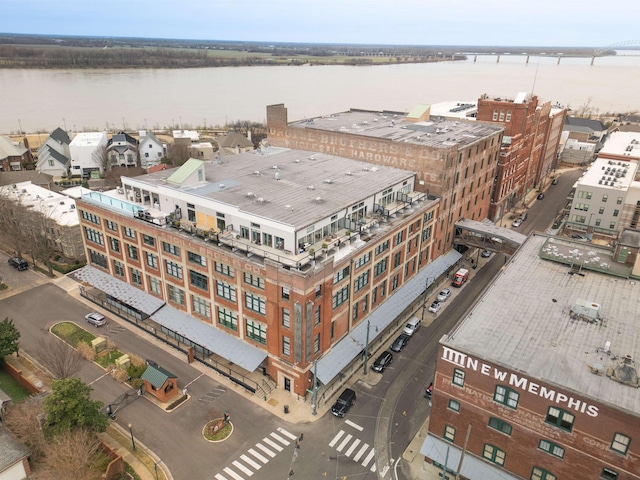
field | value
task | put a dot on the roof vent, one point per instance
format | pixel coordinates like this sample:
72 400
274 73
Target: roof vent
250 194
277 176
348 173
260 200
256 172
328 180
310 187
221 185
275 167
318 199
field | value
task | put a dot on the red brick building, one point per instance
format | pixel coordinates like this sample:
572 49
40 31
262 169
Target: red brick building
539 380
454 160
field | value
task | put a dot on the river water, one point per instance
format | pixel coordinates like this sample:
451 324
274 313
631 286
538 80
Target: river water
41 100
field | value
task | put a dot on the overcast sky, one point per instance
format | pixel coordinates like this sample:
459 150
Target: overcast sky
415 22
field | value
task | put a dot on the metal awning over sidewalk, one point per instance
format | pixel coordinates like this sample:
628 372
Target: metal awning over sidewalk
350 346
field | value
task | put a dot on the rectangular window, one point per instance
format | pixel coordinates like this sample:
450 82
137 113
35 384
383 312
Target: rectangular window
256 331
339 276
286 346
286 318
363 260
227 318
197 259
560 418
98 258
551 448
601 211
129 232
318 316
399 237
154 285
147 240
394 282
340 297
454 405
316 344
199 280
90 217
225 290
172 249
619 201
500 425
201 306
136 277
152 260
449 433
255 303
254 280
538 473
620 443
605 198
132 252
318 290
113 226
458 377
285 293
396 259
382 247
93 235
361 282
115 244
616 213
506 396
224 269
176 295
493 454
608 474
118 268
173 269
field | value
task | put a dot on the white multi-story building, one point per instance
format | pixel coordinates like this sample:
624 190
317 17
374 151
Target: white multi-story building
88 150
151 149
621 146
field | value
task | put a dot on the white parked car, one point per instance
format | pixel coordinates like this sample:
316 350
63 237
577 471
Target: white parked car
443 295
516 223
96 319
434 307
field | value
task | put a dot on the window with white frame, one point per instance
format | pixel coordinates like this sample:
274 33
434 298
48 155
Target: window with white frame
111 225
286 346
363 260
115 244
224 269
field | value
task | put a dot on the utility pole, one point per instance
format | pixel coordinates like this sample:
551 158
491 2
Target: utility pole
366 349
424 299
314 393
464 449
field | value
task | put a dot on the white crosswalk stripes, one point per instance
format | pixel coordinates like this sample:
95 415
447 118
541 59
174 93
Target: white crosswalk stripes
362 452
246 466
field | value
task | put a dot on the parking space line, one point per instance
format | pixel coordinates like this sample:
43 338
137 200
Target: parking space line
354 425
336 438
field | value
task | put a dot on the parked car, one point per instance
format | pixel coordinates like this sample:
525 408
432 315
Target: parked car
382 362
95 318
486 253
411 326
346 399
540 196
516 223
18 263
434 307
443 295
400 342
554 181
575 236
523 216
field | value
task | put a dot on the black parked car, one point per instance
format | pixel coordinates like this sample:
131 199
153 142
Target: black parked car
400 342
382 362
345 400
18 263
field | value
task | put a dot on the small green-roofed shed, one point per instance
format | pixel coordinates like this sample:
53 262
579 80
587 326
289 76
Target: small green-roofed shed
191 172
160 382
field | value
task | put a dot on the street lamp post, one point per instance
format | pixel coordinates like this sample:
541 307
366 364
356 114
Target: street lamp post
133 442
155 467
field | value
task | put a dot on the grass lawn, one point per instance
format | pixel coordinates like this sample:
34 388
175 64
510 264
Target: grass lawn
12 388
72 334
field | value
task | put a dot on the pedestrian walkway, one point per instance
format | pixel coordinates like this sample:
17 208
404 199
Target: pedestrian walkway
258 455
352 447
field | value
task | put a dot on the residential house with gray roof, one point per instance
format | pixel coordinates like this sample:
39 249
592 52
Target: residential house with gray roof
122 151
54 157
14 456
12 154
151 150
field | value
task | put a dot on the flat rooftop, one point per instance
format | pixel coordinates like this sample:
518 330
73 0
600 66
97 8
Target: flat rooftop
88 139
523 322
292 187
622 143
393 126
53 206
613 174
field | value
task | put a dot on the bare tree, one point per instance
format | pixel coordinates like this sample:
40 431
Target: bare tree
178 154
11 209
72 454
24 420
61 360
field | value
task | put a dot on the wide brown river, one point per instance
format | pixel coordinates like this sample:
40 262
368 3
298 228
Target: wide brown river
41 100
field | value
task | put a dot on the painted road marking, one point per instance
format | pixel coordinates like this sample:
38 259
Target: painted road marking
280 439
346 440
219 476
233 474
361 452
366 461
336 438
287 434
353 446
271 443
240 466
354 425
246 459
258 456
265 450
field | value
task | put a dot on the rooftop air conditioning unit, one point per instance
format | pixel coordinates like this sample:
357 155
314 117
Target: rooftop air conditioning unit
328 180
310 187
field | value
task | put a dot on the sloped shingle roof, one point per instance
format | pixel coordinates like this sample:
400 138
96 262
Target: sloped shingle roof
594 125
60 136
157 376
11 450
233 139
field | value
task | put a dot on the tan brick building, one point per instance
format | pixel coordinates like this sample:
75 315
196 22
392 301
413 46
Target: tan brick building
453 160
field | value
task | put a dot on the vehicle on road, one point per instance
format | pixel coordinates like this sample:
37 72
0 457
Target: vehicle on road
346 399
523 216
486 253
435 307
516 223
540 196
400 342
554 181
461 276
443 295
411 326
18 263
382 362
95 318
575 236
